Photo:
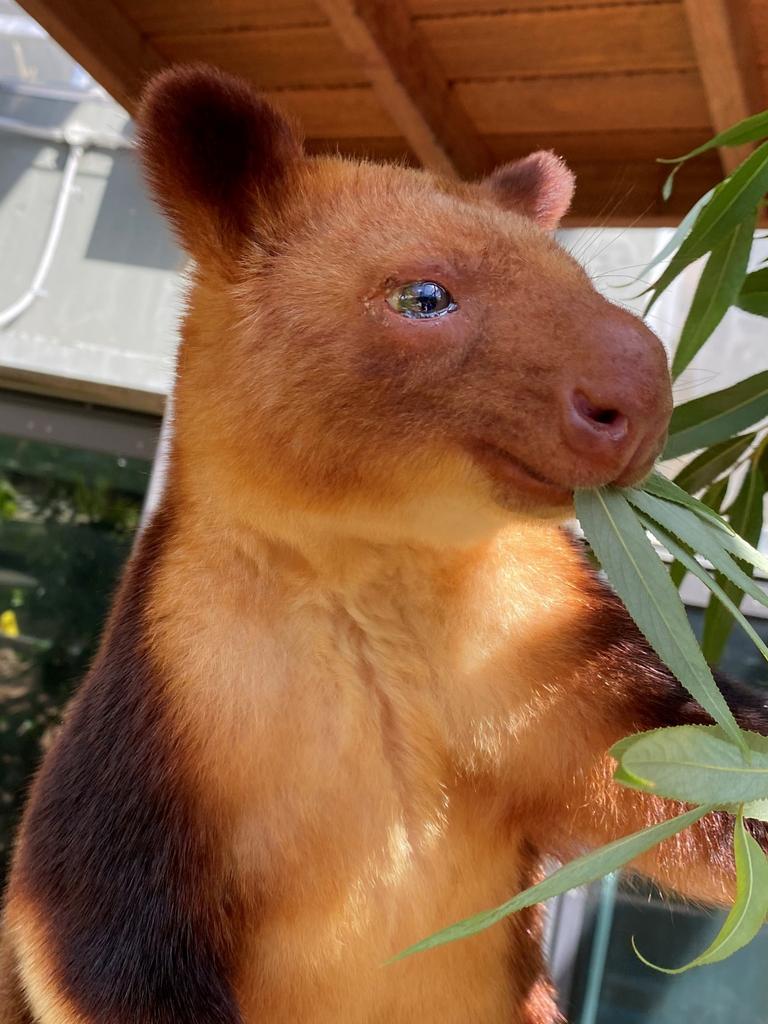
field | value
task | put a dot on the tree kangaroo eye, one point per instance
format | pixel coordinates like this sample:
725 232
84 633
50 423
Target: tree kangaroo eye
421 300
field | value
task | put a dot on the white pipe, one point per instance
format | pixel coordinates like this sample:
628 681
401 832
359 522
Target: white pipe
8 315
77 138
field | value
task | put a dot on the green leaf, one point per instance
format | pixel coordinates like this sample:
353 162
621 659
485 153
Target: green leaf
734 199
705 421
710 542
724 534
746 518
643 584
694 763
686 254
684 557
706 467
712 498
578 872
753 297
680 232
757 809
749 910
669 184
751 129
662 487
718 289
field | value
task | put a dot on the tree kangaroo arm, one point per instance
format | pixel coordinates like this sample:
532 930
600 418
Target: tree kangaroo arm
619 686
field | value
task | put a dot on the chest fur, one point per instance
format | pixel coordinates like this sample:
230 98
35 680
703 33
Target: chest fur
360 751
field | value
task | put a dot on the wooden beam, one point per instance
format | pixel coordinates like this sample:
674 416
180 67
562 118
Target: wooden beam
723 39
103 40
409 84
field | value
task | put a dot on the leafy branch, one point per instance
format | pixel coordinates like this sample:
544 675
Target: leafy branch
720 766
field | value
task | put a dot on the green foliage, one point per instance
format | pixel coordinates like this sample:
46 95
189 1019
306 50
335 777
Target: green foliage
67 518
720 766
622 547
718 416
694 763
712 463
731 203
709 766
577 872
719 288
746 517
714 422
753 295
749 909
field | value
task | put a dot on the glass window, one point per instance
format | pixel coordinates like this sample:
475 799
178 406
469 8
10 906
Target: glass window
69 509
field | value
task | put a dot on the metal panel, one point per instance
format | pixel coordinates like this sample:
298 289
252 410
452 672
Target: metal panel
99 430
109 307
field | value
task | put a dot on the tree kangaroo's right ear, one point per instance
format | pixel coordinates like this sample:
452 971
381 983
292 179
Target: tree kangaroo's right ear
214 152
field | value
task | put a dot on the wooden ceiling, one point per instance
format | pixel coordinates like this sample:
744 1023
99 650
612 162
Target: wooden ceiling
460 85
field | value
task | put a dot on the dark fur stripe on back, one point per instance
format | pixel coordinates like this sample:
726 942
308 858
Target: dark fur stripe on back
113 857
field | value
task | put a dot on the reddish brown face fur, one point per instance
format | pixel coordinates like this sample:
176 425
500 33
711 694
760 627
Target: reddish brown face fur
533 385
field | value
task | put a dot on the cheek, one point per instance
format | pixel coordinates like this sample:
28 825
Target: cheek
413 352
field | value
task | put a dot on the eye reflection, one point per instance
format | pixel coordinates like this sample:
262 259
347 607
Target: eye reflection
421 300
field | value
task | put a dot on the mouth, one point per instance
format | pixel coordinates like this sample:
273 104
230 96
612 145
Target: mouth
509 471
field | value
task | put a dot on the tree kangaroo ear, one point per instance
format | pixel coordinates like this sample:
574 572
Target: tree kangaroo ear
214 153
539 186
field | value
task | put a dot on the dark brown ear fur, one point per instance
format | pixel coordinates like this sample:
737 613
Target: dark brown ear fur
539 186
212 149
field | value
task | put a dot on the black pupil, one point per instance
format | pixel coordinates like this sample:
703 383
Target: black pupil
428 296
423 299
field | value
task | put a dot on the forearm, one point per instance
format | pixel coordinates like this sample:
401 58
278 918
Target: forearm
619 687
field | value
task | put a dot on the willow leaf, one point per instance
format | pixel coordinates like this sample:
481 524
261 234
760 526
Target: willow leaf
706 467
662 487
685 558
694 763
751 129
757 809
726 536
711 543
753 297
577 872
719 415
722 532
749 910
643 584
718 289
674 242
733 200
746 518
713 497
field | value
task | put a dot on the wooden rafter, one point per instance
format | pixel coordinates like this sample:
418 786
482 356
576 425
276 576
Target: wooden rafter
103 41
409 84
724 44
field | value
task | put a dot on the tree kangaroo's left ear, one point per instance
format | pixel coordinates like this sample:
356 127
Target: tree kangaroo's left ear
539 186
215 154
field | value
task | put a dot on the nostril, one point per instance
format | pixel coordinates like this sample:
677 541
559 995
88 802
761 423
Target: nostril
605 419
605 415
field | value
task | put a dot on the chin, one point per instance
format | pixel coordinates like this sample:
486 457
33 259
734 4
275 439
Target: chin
520 506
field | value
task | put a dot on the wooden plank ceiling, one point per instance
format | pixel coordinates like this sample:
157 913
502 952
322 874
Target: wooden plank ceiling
460 85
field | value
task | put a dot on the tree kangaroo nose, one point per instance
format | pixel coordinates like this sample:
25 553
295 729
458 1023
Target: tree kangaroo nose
618 402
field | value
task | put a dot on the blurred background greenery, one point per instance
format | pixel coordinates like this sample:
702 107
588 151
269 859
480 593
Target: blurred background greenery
67 521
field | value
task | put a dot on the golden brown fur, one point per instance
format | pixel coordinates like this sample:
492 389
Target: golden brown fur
358 681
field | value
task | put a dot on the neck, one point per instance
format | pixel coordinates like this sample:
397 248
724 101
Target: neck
320 555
